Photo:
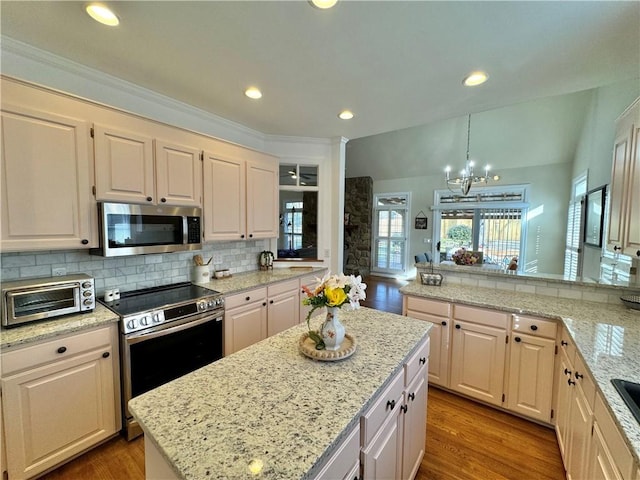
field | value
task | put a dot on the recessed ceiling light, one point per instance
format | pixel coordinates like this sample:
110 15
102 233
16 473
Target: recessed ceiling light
101 13
323 4
253 92
475 78
345 115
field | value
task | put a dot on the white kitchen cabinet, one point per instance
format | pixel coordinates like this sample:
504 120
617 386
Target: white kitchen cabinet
60 397
624 189
438 313
46 201
283 306
609 458
478 353
240 194
344 464
530 388
132 167
245 319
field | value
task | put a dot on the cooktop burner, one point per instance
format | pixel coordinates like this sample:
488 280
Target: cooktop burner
155 298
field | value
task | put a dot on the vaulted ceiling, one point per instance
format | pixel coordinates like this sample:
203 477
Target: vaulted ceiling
395 64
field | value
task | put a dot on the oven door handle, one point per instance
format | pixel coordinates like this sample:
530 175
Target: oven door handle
141 337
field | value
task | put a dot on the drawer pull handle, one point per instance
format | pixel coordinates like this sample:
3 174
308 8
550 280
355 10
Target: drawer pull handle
518 339
422 361
534 327
444 324
106 355
563 343
579 375
62 349
391 404
412 396
404 408
567 371
571 382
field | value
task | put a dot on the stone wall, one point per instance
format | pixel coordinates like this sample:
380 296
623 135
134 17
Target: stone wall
358 209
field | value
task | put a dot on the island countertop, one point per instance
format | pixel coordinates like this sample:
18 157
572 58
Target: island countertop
271 404
591 325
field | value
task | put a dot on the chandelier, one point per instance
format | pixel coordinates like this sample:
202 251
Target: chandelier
467 177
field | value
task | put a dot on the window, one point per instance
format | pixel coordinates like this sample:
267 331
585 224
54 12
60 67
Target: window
390 232
573 244
489 222
298 212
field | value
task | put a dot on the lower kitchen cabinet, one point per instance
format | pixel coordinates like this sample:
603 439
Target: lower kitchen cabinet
245 319
344 464
59 398
283 306
478 353
530 388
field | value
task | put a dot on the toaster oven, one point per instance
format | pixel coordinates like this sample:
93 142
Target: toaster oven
34 299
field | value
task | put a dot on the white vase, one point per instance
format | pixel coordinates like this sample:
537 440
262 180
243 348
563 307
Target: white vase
332 330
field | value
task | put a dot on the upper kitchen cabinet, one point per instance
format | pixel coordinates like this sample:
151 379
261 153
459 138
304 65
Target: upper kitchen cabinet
624 214
240 194
132 167
46 179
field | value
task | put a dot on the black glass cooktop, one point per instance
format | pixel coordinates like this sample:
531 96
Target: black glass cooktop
155 298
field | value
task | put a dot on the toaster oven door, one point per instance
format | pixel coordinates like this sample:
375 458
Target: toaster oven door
32 304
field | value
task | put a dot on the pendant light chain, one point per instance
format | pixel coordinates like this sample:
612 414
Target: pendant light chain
468 135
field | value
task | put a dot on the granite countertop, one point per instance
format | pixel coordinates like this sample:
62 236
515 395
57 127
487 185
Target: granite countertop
45 329
606 336
259 278
270 403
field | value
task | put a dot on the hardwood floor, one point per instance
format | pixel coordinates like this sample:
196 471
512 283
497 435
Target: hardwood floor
465 440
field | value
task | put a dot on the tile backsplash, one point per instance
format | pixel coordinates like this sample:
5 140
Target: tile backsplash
133 272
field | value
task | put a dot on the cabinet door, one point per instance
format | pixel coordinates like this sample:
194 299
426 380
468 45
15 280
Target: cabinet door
439 353
415 427
344 460
631 245
382 458
531 376
563 407
46 190
477 361
178 174
580 419
601 463
124 166
224 198
42 432
283 312
244 326
262 199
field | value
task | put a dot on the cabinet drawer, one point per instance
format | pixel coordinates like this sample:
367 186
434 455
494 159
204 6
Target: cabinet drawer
59 348
388 400
282 287
417 363
534 326
250 296
614 441
566 344
583 378
424 305
490 318
341 462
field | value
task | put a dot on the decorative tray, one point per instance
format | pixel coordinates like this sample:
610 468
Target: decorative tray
631 301
308 348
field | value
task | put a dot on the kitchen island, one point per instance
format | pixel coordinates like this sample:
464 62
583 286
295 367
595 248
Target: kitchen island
268 410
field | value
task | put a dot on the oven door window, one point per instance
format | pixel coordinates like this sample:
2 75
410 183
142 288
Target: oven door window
138 230
159 360
61 299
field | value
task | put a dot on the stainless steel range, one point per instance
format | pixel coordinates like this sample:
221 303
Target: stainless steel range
166 332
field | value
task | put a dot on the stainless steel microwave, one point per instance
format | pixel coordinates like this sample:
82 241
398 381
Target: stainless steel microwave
129 229
34 299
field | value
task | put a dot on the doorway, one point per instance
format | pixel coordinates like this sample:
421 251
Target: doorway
390 233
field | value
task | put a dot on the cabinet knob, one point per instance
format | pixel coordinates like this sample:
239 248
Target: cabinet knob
422 361
518 339
458 326
251 235
534 327
149 199
412 396
637 253
242 236
84 241
264 304
563 343
62 349
105 355
404 408
271 301
567 371
579 375
391 404
616 248
163 200
571 382
444 324
248 298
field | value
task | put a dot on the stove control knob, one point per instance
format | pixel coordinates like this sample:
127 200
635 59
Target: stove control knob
155 318
202 305
144 321
210 303
131 324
